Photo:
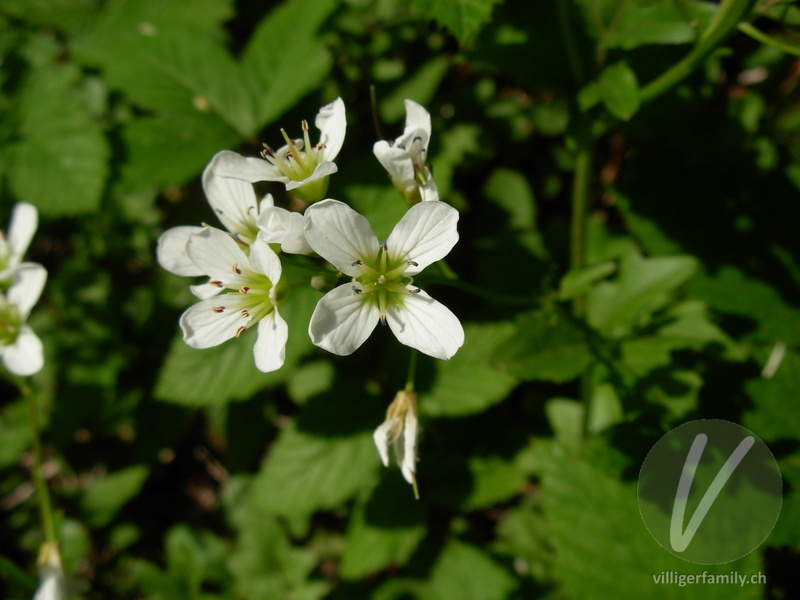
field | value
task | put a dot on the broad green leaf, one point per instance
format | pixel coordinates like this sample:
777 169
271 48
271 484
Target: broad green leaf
642 286
304 473
468 383
196 556
286 57
566 420
14 431
602 547
465 572
385 528
463 18
382 205
619 90
64 15
59 163
522 534
578 281
420 86
643 22
511 191
101 499
546 346
775 414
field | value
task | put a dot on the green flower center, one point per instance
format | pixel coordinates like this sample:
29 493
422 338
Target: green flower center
250 296
383 281
10 322
298 160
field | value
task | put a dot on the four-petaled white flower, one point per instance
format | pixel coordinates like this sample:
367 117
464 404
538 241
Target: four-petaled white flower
52 583
20 348
233 201
381 288
245 293
24 220
405 158
303 167
399 431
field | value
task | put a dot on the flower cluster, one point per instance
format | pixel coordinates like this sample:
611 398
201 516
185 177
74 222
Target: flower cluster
21 284
245 286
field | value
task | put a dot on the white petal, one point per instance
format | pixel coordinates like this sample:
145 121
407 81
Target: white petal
231 164
425 324
429 191
204 290
340 235
26 355
27 286
425 234
171 251
266 202
214 252
270 349
408 457
204 328
332 122
381 437
264 260
295 241
24 220
418 124
342 321
233 200
396 161
52 585
274 223
321 170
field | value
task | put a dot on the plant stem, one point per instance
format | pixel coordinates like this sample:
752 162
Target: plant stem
43 494
725 20
412 370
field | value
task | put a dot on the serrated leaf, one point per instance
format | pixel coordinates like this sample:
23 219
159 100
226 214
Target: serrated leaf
385 528
642 286
60 163
463 18
465 572
602 547
775 414
578 281
545 347
286 58
468 383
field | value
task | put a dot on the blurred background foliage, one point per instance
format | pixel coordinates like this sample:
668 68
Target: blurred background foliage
629 260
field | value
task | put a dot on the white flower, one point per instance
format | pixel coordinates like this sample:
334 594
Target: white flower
24 220
20 349
381 288
303 167
233 201
287 228
399 431
245 293
52 584
405 158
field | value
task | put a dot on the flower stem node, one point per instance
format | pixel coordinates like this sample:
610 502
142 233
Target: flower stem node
381 289
399 431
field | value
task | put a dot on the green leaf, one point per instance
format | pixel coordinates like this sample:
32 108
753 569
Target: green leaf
196 556
642 286
385 528
463 18
64 15
619 90
59 164
775 414
421 87
468 383
465 572
286 58
546 346
643 22
578 281
102 498
14 431
602 547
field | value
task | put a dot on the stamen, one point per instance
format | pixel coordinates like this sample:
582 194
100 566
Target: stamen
240 331
244 289
383 319
416 139
246 314
357 262
413 263
383 244
217 309
382 279
236 269
219 284
267 152
416 291
357 290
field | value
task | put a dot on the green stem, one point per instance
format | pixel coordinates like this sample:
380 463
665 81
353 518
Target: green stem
412 370
567 34
45 506
762 37
726 19
580 207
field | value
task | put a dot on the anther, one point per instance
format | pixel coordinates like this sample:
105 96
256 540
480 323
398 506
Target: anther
356 262
244 289
357 290
217 309
304 125
246 314
416 139
267 151
240 331
383 319
216 283
236 268
413 263
416 291
383 244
